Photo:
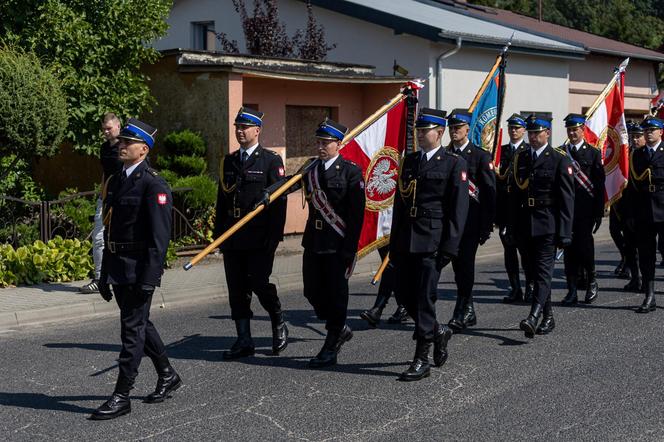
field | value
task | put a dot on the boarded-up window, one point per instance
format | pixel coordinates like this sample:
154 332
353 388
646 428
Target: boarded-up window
301 125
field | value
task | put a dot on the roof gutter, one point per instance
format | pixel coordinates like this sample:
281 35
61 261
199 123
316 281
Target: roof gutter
439 69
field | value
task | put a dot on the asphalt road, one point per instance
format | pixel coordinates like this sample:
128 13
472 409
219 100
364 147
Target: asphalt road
599 376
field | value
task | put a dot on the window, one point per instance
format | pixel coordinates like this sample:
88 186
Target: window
301 125
203 36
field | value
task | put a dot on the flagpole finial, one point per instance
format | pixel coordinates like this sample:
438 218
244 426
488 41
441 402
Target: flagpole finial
623 65
509 43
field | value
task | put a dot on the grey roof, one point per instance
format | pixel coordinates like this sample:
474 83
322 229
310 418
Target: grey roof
426 19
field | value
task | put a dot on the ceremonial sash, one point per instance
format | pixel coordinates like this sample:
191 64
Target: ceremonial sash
322 205
580 177
473 191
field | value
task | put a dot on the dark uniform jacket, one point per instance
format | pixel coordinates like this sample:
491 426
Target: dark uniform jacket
502 181
343 185
431 204
546 205
241 187
480 171
586 206
137 216
646 193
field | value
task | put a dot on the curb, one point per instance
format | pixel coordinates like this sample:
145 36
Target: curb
163 298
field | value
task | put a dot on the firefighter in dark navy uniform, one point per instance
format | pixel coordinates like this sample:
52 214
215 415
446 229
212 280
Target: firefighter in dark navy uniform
481 212
137 218
430 212
541 196
588 209
645 205
334 188
516 129
249 253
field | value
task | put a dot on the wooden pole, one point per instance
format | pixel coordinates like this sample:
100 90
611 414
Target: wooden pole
381 269
607 88
485 83
372 118
238 225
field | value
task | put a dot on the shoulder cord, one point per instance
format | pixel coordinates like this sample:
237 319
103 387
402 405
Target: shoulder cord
523 185
224 187
646 173
409 190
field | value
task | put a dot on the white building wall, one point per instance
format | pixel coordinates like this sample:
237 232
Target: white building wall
534 82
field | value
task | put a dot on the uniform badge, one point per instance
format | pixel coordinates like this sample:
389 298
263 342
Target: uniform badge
463 175
282 172
569 170
162 198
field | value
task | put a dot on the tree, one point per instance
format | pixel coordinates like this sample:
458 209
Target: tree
33 114
266 35
96 48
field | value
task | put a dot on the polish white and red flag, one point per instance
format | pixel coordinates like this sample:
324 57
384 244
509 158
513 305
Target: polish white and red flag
377 150
607 131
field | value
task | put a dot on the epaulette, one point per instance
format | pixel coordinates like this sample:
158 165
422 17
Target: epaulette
152 172
271 151
560 151
452 154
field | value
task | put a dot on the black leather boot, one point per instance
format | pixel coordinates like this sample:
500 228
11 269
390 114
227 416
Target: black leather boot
572 296
279 333
593 288
167 382
649 304
441 338
372 316
399 316
548 324
456 323
516 294
334 340
621 266
118 404
529 325
469 317
244 345
419 368
530 289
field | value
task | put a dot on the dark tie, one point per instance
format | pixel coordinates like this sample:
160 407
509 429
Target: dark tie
123 176
243 158
423 160
650 153
534 156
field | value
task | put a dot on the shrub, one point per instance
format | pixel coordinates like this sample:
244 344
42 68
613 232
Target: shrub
76 215
170 176
188 165
203 193
163 162
185 142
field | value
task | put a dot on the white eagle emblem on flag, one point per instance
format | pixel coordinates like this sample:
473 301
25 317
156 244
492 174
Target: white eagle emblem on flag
382 179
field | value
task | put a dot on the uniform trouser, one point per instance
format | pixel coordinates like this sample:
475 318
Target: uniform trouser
139 336
387 280
98 239
511 257
417 291
617 231
247 272
580 255
326 287
464 265
646 242
541 254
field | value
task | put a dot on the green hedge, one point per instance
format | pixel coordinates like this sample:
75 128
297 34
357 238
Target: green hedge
187 165
58 260
203 193
185 142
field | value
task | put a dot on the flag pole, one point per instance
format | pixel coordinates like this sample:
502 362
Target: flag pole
485 83
372 118
381 269
608 87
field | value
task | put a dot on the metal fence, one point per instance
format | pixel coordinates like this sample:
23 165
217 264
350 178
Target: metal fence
23 222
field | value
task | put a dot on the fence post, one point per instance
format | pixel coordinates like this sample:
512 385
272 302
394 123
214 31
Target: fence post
45 221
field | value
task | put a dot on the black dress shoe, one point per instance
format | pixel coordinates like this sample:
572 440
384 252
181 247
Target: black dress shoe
372 316
279 338
547 326
649 304
244 344
168 382
634 285
456 323
118 405
420 367
529 325
571 298
327 356
440 340
469 317
399 316
591 292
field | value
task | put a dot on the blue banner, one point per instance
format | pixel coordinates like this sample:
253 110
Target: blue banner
483 124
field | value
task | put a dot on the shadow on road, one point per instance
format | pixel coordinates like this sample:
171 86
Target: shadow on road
39 401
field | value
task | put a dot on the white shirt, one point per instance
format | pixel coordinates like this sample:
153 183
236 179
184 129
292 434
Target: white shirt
460 149
516 146
128 171
578 146
431 153
249 150
654 148
539 151
330 162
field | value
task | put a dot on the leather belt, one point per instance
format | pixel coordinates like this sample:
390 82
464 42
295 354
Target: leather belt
418 212
539 202
117 247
